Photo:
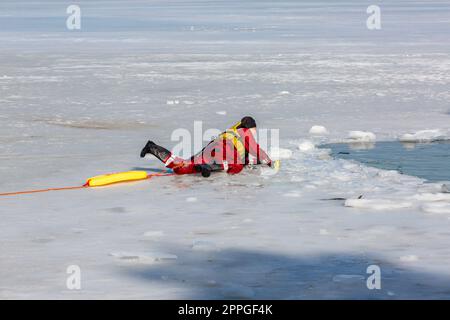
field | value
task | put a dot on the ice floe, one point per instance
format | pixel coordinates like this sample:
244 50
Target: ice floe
425 136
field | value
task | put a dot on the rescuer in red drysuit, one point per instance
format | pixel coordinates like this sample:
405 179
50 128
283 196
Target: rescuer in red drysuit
229 152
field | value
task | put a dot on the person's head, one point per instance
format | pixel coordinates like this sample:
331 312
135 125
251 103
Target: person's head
248 123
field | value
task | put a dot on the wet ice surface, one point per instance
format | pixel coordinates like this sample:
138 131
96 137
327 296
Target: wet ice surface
78 104
430 161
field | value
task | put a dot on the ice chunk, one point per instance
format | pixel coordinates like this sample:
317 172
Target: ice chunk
423 136
306 146
318 131
377 204
445 188
191 199
280 153
172 102
222 113
365 136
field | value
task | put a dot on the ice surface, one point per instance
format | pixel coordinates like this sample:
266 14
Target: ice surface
437 208
377 204
77 104
277 153
142 257
409 258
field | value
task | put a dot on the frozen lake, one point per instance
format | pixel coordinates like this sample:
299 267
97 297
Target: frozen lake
74 104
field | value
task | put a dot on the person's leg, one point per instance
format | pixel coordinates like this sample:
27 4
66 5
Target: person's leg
204 169
159 152
178 165
235 168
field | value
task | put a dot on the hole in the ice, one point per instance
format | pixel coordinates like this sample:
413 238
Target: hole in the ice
430 161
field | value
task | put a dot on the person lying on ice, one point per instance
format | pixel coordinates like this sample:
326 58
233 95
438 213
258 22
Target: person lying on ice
229 152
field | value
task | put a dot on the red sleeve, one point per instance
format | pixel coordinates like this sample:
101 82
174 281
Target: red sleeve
252 147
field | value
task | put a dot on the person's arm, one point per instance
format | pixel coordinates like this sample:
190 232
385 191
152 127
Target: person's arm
254 149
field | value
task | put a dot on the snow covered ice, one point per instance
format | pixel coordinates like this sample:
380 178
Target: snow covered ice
75 104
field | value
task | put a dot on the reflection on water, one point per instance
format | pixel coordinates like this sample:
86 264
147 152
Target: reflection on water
361 145
430 161
408 145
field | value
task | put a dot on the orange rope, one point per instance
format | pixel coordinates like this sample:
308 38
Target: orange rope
41 190
75 187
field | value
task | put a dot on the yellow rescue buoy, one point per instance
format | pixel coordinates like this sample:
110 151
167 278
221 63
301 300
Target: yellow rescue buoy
106 179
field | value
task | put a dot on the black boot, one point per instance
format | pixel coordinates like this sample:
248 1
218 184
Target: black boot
205 169
158 151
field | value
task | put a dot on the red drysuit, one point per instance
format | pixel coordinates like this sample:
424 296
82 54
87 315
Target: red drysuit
226 154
